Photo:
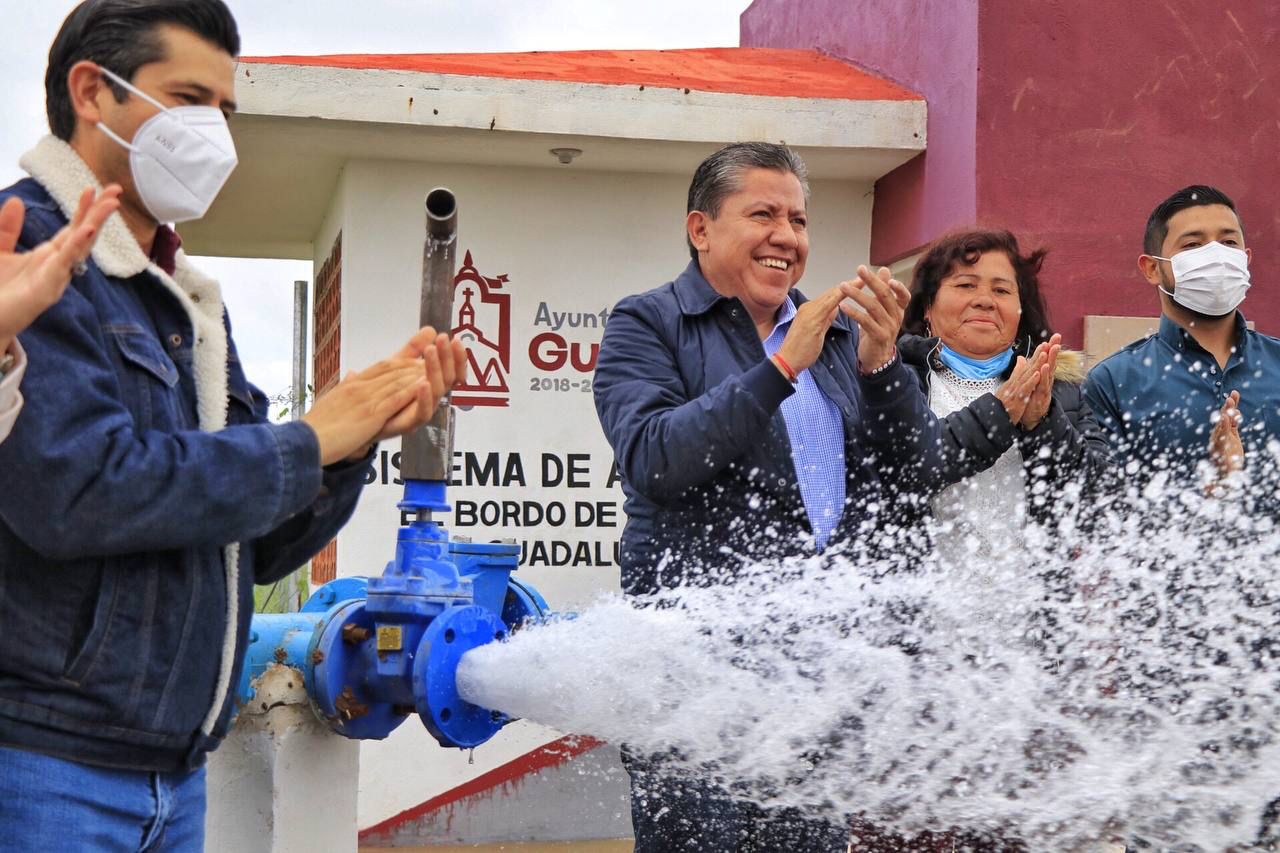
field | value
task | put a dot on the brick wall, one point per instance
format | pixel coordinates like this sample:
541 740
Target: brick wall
326 368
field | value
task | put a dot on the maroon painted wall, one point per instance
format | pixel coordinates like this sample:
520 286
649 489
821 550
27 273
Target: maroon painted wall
1090 112
1086 114
934 51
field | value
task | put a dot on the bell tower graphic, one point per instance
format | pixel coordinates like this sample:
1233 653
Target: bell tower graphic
483 322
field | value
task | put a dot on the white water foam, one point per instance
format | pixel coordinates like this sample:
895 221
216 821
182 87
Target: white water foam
1118 683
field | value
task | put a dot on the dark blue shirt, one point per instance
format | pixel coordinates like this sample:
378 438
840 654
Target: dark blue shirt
1156 398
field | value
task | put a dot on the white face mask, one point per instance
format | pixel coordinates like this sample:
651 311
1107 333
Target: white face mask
1211 279
180 157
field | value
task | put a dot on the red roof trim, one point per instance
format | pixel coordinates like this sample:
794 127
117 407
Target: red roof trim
734 70
551 754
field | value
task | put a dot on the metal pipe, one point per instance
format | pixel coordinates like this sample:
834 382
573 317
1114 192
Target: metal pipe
298 404
427 453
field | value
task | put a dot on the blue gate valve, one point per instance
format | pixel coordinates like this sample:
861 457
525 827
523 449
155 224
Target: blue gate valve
375 651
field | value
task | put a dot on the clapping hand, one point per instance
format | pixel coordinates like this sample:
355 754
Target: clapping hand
876 301
808 330
1226 450
32 281
1041 396
445 364
1015 392
393 397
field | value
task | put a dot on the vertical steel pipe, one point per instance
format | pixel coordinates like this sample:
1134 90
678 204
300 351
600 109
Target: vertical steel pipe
427 453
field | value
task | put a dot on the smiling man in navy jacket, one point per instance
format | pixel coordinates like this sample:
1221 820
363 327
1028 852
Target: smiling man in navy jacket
748 421
145 492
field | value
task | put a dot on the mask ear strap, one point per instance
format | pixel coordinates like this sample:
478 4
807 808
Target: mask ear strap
115 136
116 78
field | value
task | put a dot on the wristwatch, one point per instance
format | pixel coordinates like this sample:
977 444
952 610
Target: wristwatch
6 364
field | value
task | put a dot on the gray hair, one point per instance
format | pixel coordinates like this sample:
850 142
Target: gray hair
720 175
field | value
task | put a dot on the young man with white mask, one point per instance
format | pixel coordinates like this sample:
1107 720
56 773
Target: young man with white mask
1201 397
144 490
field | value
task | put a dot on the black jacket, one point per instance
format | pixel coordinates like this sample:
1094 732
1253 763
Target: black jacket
1067 446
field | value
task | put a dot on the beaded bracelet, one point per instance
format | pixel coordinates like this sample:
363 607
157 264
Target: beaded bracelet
882 368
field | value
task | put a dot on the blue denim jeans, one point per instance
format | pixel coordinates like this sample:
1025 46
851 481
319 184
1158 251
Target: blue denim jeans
52 804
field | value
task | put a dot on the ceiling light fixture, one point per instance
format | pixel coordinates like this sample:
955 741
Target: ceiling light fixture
566 155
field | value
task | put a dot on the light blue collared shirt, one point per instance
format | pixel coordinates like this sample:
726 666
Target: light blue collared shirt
817 440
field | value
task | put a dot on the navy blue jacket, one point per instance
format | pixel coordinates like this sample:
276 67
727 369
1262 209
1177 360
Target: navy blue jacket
123 626
690 405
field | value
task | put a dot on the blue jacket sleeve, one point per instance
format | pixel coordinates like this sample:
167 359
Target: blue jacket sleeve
900 429
972 439
301 537
96 484
665 442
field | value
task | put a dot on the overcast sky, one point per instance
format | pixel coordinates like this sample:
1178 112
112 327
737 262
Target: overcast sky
259 293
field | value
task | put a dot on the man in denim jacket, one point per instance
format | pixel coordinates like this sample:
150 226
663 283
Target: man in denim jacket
145 492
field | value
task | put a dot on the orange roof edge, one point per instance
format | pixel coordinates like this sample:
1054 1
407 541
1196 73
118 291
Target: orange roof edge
732 70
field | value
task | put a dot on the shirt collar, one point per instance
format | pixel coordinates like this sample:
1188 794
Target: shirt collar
786 313
164 251
696 295
693 292
1179 338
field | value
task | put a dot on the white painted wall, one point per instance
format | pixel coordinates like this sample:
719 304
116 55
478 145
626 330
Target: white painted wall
577 240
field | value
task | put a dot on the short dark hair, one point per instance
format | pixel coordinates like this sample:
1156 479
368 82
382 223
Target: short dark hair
941 257
120 35
1192 196
720 175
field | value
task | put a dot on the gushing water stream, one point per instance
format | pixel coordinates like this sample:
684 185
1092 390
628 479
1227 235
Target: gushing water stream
1114 683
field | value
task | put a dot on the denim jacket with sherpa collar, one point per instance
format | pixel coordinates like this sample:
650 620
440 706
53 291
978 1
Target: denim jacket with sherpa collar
142 494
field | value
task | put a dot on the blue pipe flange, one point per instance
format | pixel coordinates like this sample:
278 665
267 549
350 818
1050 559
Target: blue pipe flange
342 664
523 604
452 720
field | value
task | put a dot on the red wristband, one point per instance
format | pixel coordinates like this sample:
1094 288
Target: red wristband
786 368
